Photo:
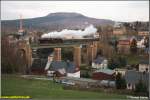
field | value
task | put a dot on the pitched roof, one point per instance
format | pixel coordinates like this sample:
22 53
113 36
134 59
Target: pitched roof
99 60
106 71
68 66
55 65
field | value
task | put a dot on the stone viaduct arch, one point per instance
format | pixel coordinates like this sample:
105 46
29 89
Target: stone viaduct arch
25 52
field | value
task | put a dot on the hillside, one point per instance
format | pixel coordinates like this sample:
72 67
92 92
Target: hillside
53 21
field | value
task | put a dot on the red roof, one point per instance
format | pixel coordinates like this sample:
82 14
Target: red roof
124 42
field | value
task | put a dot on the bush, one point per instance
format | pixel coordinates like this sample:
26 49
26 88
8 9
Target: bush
141 89
117 62
86 75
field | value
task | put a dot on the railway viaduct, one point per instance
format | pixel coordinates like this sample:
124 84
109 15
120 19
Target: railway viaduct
91 51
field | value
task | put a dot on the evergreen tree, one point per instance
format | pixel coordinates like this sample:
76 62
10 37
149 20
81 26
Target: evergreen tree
140 87
120 82
133 46
146 42
122 61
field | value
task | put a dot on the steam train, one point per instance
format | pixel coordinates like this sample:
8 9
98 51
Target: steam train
45 41
50 40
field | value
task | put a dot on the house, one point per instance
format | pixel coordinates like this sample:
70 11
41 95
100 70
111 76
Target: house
140 43
100 63
120 70
144 66
132 77
124 44
118 31
143 33
62 68
57 68
103 74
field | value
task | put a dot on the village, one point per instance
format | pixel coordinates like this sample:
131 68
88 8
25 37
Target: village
86 63
73 55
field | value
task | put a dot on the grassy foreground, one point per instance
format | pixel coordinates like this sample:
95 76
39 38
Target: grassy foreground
13 85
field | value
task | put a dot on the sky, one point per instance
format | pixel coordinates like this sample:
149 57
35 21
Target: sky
114 10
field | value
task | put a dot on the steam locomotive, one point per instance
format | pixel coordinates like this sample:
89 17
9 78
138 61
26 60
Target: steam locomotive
45 41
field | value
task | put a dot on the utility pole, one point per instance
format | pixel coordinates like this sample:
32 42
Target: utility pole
21 31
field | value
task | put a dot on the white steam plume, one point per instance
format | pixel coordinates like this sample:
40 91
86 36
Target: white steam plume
90 30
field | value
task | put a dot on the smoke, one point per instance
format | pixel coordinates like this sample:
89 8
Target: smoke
90 30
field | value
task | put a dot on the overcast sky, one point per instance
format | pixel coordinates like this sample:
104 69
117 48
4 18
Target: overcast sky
114 10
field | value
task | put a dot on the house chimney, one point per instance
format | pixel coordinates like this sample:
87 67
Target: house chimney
77 57
57 54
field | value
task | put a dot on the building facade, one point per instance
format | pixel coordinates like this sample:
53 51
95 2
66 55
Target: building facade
144 66
123 46
103 74
121 71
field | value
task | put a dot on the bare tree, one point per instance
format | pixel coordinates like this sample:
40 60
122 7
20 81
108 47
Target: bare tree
105 33
11 61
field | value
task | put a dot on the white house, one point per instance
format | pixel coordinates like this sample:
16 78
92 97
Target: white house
144 66
76 74
120 70
100 63
140 43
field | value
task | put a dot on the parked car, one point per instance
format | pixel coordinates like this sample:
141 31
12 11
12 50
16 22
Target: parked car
50 73
58 81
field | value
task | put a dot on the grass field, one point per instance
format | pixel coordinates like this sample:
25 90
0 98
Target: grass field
13 85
